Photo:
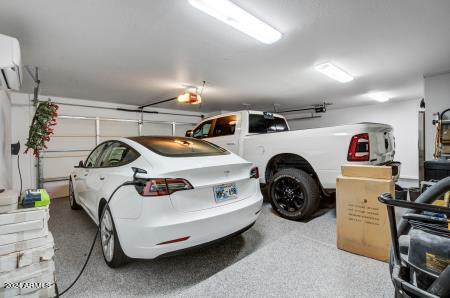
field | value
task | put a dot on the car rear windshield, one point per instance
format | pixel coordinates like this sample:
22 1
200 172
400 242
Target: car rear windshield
263 124
179 146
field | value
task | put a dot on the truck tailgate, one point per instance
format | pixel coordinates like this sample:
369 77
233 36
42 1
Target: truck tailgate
382 143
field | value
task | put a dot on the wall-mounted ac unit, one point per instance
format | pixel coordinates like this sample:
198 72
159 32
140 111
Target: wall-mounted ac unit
10 63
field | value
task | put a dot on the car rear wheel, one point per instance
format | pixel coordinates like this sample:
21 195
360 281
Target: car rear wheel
72 201
294 194
112 251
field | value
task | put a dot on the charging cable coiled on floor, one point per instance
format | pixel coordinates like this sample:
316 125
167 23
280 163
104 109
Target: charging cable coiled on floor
135 183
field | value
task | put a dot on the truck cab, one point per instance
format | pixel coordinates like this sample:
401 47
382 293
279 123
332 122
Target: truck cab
228 130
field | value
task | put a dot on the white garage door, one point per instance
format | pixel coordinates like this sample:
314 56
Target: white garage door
76 136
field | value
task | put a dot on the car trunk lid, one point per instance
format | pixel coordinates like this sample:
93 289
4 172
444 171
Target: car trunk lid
211 175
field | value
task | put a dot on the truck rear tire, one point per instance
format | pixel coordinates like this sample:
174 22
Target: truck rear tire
294 194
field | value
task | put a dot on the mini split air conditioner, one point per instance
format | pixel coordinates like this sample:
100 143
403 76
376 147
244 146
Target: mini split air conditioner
10 63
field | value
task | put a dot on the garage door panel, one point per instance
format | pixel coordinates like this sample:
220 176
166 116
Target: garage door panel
74 127
180 129
60 166
80 134
118 129
103 139
71 143
157 129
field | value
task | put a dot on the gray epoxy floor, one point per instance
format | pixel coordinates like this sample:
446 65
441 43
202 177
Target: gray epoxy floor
275 258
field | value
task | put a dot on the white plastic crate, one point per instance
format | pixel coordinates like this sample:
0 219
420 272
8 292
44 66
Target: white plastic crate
27 272
27 257
23 224
21 215
25 244
42 273
26 250
9 197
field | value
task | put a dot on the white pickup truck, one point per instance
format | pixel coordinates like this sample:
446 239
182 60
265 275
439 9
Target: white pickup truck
301 165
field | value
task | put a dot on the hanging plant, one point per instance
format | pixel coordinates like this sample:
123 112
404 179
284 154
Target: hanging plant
41 127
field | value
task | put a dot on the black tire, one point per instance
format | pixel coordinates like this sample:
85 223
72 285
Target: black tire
118 257
72 200
301 194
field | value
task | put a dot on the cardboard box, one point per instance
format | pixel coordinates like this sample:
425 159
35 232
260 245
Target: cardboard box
362 224
366 171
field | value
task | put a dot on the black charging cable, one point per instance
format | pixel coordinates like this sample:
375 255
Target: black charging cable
136 183
20 175
15 149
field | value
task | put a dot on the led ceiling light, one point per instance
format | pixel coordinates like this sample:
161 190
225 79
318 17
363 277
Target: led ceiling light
231 14
334 72
381 97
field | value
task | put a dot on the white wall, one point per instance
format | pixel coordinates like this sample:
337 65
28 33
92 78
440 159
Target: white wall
5 140
403 116
80 134
437 99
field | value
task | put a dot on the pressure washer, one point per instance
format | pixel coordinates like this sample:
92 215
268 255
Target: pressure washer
420 254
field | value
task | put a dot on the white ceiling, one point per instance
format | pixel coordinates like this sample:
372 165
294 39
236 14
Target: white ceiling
139 51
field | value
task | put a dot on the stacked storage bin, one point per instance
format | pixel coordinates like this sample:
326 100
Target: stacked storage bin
26 250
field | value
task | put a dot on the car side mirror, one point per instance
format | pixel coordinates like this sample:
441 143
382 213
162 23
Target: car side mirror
188 133
80 164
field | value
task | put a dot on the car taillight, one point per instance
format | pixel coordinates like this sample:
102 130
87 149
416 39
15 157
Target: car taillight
163 186
359 149
254 173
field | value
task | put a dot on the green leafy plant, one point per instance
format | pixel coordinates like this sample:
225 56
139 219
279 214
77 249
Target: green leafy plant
41 127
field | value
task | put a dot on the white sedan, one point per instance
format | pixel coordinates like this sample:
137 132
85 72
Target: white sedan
195 193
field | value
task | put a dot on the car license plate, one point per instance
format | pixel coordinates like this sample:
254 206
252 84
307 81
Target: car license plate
225 192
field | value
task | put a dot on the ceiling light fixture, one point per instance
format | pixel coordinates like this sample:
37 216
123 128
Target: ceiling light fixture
190 98
231 14
334 72
381 97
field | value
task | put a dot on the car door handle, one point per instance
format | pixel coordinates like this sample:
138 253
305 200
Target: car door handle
231 143
102 178
86 174
74 176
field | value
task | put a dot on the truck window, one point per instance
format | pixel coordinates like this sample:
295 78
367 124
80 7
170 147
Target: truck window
202 131
224 126
259 124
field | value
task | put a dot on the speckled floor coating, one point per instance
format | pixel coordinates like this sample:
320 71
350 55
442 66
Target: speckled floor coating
276 257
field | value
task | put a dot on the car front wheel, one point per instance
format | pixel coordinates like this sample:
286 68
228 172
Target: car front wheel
294 194
112 251
72 201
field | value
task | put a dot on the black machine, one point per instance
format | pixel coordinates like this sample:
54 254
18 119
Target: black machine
436 169
420 254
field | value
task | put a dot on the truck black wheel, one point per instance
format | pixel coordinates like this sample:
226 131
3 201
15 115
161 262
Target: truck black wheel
294 194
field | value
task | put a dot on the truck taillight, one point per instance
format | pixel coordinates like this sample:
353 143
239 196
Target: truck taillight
163 186
359 149
254 173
